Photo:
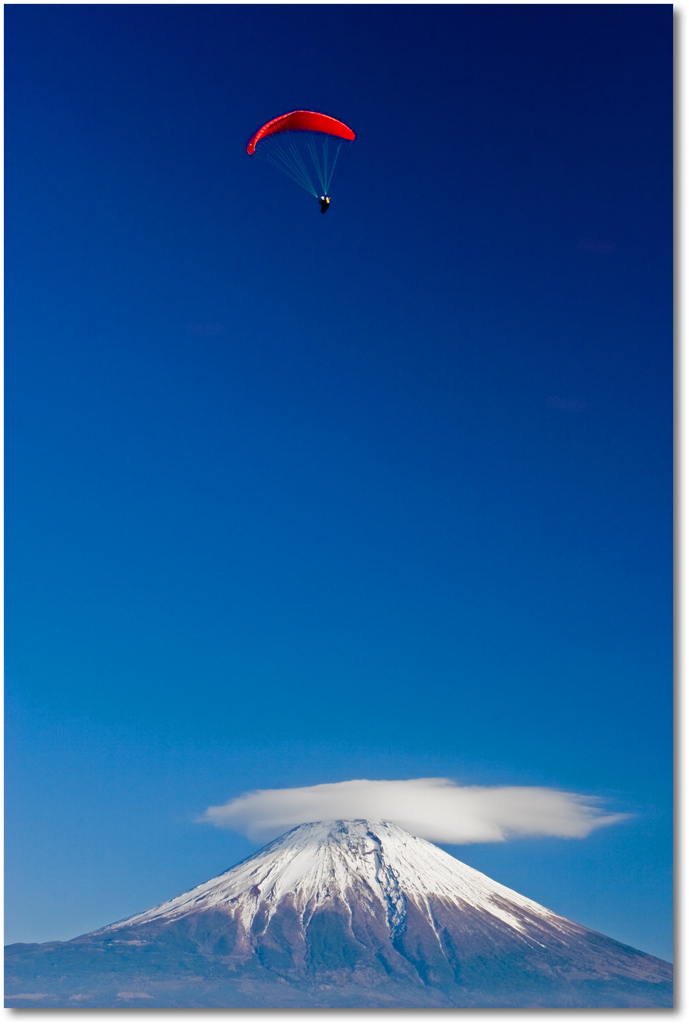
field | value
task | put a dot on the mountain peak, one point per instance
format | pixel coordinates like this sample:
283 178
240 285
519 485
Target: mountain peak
324 863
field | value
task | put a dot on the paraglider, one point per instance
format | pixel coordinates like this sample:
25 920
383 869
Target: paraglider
304 145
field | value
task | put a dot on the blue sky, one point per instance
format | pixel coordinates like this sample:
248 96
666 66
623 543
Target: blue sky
295 499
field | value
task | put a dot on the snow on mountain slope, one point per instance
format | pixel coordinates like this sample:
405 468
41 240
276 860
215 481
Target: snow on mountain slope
374 862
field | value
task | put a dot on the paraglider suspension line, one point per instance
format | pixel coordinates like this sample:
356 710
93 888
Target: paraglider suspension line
285 155
325 173
283 151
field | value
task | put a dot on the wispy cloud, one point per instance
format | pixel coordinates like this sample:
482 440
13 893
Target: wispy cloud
436 809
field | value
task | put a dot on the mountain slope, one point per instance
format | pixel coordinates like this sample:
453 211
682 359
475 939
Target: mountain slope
344 913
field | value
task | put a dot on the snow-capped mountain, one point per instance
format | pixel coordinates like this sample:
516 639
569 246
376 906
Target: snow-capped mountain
342 913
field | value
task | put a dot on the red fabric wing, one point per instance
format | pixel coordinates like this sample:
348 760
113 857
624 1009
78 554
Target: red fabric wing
304 121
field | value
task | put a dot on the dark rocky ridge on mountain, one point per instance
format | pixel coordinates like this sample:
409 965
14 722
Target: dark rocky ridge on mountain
341 914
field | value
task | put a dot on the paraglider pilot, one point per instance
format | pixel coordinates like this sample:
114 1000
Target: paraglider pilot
325 203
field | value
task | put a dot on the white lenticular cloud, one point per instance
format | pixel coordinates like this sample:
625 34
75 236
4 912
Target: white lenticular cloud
436 809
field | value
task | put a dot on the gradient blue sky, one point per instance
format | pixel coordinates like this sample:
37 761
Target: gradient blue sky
296 499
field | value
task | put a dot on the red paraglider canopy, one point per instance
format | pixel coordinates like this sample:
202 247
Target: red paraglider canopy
301 121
